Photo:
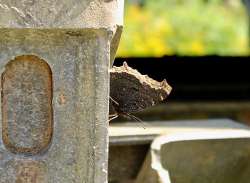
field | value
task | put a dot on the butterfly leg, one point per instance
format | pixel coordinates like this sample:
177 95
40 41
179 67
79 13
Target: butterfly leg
112 116
113 100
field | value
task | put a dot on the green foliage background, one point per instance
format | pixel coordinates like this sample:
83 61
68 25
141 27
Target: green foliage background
184 27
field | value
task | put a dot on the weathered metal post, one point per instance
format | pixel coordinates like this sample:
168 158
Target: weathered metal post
54 61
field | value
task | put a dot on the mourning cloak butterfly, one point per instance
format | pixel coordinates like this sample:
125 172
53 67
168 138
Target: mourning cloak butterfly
131 92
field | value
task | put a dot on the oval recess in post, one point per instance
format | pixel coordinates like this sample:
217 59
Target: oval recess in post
27 124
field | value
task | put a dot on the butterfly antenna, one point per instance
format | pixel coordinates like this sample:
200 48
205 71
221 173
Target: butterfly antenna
137 119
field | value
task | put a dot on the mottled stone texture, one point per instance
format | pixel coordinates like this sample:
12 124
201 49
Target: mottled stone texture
61 13
27 105
65 14
77 115
54 62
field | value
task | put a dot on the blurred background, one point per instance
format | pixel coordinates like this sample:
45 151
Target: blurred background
184 27
200 46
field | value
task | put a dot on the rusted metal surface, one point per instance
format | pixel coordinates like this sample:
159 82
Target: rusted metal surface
27 124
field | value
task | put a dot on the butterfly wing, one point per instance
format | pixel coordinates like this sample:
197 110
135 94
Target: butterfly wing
133 91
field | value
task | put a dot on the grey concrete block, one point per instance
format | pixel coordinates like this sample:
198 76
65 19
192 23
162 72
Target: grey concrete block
203 156
206 161
65 14
61 13
54 62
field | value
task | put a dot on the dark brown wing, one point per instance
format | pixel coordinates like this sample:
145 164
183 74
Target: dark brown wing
133 91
